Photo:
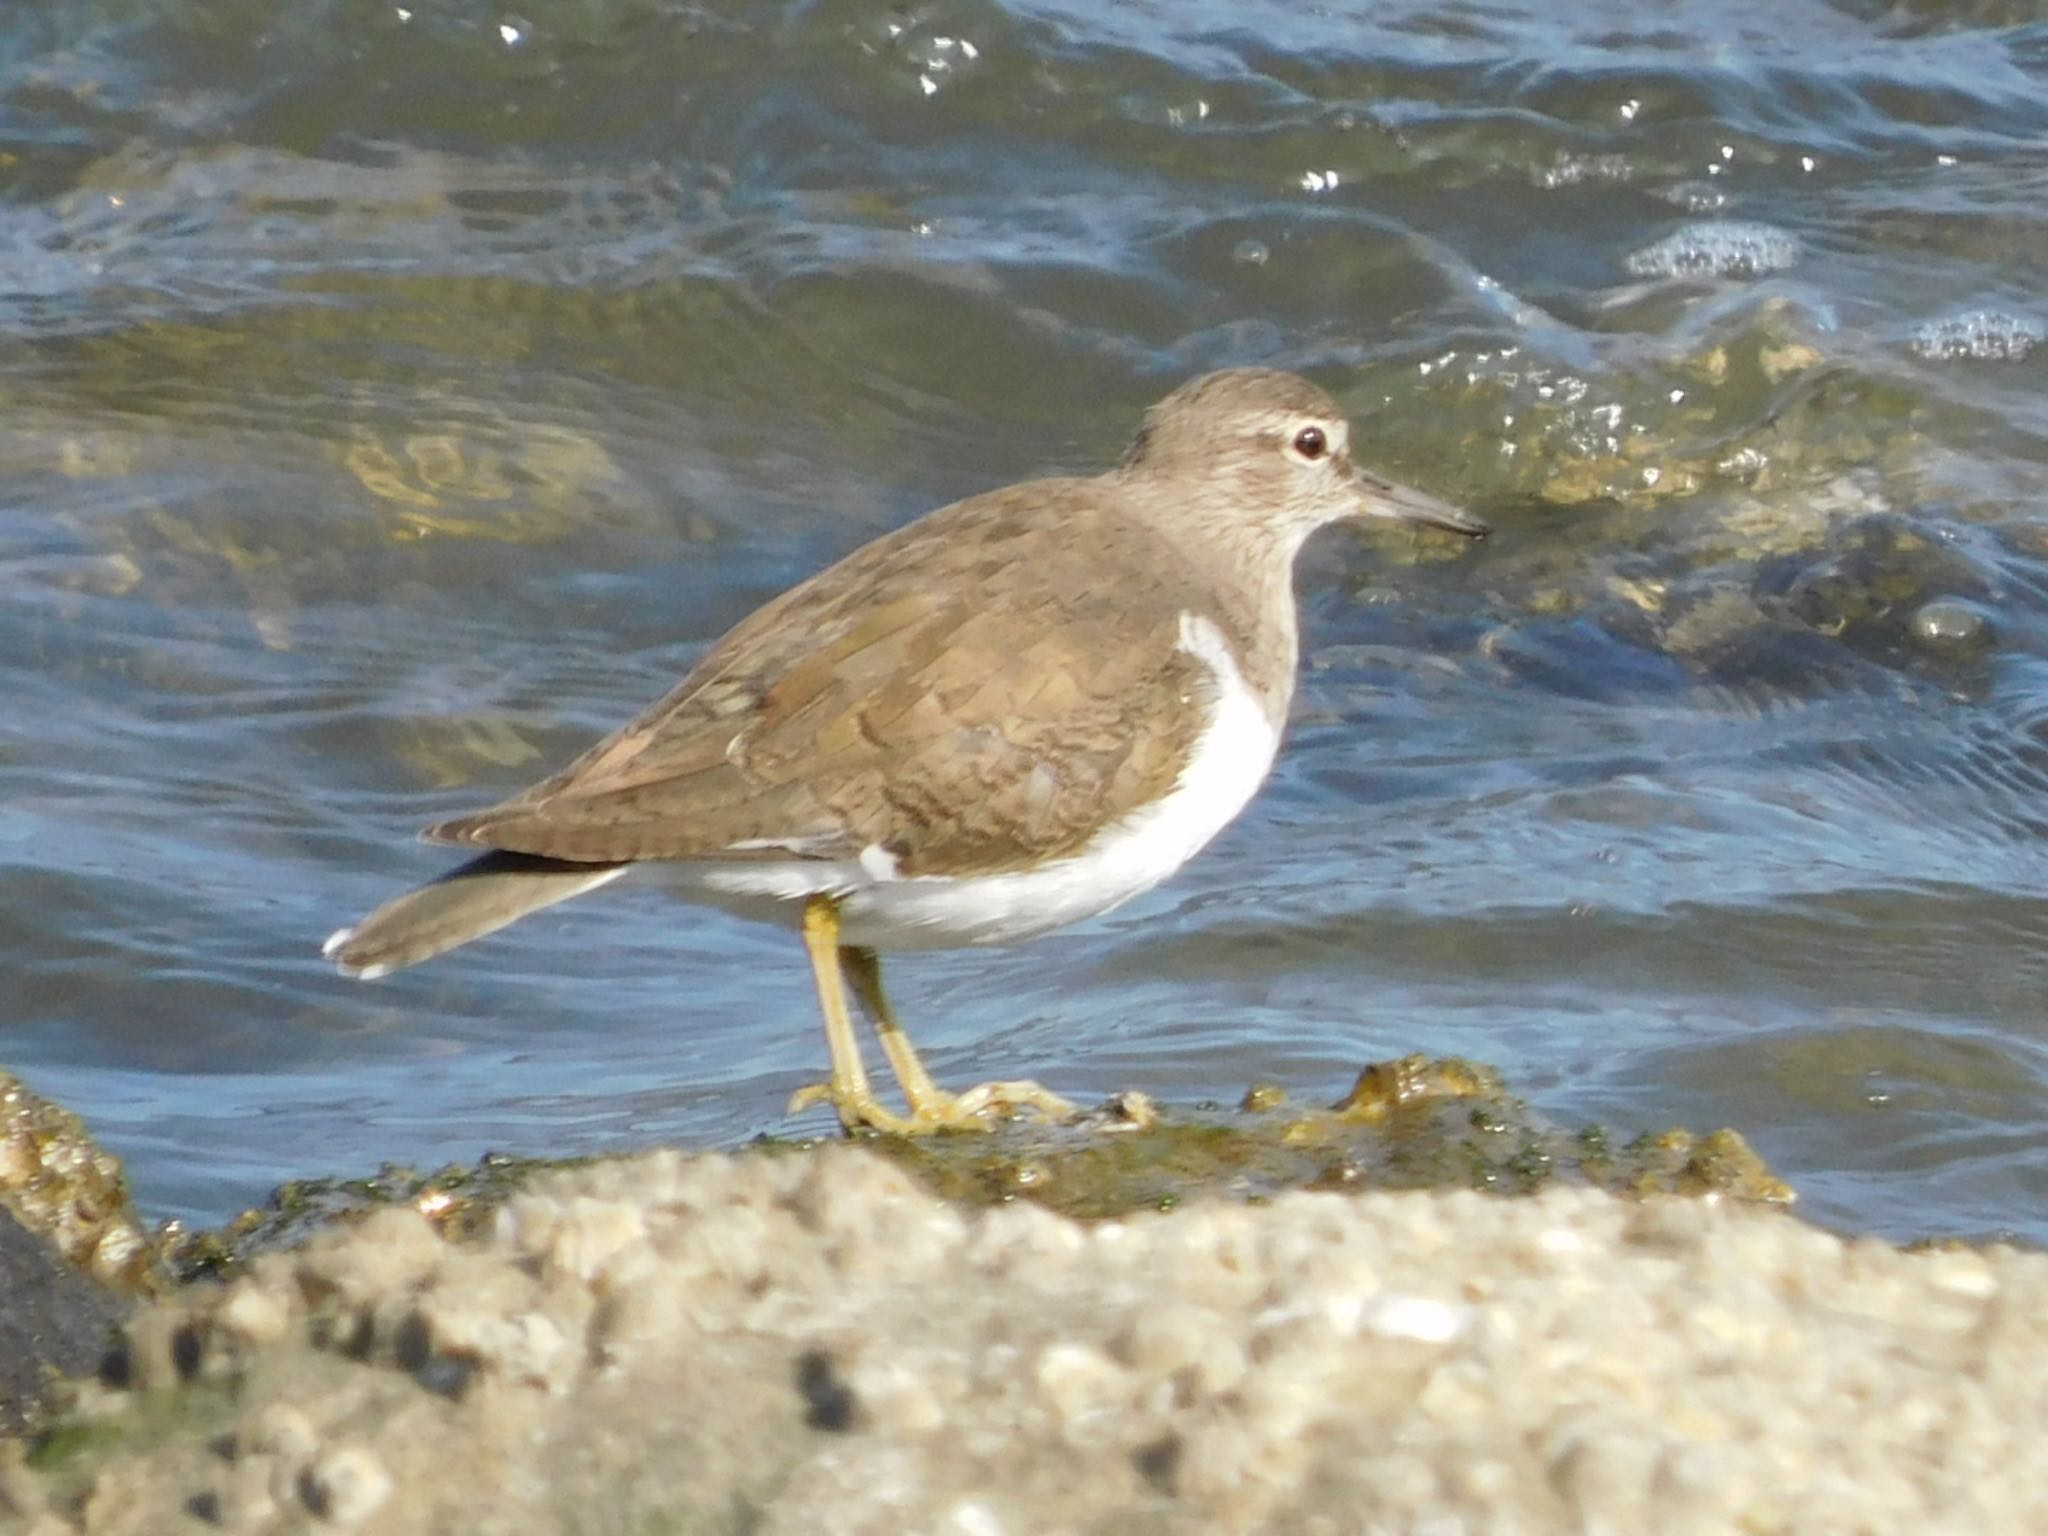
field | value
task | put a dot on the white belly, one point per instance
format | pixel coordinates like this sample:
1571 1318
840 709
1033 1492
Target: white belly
881 909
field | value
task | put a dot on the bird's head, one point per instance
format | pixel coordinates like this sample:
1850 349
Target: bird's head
1279 447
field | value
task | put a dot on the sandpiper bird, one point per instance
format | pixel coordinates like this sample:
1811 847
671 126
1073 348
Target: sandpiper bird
1014 713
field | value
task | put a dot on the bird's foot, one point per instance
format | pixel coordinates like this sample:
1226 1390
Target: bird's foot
857 1110
975 1109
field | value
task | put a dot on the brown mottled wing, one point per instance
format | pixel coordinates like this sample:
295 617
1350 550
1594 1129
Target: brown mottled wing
963 693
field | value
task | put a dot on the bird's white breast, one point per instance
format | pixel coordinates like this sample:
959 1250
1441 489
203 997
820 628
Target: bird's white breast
883 909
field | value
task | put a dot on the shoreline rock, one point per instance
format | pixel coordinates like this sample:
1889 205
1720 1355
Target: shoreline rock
781 1344
55 1322
72 1255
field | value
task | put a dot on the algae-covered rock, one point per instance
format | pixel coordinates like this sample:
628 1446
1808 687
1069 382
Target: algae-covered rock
458 1199
1414 1123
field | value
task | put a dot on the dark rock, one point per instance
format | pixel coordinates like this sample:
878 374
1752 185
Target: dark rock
55 1322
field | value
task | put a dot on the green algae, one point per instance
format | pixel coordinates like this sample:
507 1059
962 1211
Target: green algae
1416 1123
1412 1123
458 1199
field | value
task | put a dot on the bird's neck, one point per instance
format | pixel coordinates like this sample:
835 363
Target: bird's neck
1257 615
1242 579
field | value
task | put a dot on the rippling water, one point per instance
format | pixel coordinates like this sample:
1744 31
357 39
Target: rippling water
395 396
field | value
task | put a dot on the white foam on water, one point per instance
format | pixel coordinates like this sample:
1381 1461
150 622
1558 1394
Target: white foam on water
1728 248
1988 335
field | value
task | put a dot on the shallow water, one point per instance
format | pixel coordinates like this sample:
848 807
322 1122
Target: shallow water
393 398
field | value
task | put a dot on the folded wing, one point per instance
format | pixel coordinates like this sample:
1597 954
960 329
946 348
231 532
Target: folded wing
889 703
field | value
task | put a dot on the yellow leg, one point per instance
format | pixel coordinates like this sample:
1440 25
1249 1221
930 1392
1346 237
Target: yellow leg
864 971
931 1107
848 1091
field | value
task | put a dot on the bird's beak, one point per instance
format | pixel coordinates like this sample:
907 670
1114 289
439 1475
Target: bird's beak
1386 498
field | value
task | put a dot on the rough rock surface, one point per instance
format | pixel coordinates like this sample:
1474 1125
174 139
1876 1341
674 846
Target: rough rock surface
71 1250
816 1344
59 1183
54 1322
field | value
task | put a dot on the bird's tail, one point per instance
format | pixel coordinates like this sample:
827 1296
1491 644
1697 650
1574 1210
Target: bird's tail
467 903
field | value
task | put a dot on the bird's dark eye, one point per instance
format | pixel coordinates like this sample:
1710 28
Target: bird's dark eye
1311 442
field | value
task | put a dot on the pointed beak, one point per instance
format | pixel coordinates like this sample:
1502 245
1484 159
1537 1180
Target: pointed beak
1386 498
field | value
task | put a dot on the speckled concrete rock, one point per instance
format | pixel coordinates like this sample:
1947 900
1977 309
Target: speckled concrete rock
814 1344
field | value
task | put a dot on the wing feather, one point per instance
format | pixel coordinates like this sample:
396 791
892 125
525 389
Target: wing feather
965 726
